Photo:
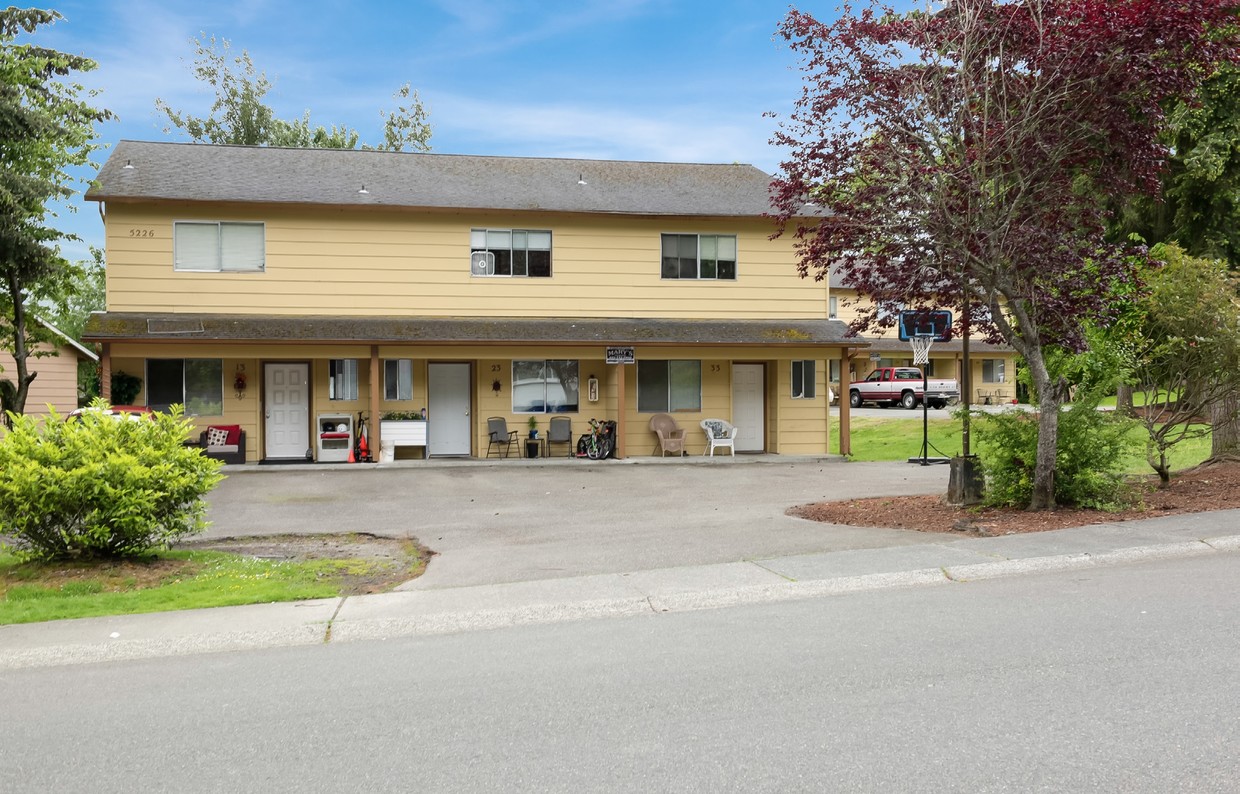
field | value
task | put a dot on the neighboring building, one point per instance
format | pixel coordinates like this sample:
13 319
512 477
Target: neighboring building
287 290
993 367
56 385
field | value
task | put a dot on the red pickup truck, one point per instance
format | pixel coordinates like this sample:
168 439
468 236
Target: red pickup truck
903 385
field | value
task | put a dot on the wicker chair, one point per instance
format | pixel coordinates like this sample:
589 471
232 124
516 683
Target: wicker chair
719 433
671 438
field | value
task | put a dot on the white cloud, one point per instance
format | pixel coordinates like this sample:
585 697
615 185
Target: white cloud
493 26
702 134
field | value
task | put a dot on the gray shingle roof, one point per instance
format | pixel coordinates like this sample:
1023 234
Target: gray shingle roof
139 170
112 326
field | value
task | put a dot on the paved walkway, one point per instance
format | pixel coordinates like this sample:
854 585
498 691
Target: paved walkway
743 505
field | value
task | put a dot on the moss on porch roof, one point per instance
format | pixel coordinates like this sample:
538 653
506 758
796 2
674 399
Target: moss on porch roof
118 326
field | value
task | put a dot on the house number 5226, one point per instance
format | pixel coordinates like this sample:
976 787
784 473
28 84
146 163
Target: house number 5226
141 232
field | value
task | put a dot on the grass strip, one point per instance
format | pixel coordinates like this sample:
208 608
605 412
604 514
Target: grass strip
171 580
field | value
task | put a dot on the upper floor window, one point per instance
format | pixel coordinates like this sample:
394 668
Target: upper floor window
219 246
510 252
699 256
833 310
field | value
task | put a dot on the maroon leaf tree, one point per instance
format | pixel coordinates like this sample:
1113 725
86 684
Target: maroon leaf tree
967 157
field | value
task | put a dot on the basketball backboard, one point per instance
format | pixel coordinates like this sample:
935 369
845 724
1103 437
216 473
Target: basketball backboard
935 324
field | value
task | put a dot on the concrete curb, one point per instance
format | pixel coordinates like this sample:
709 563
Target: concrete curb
455 610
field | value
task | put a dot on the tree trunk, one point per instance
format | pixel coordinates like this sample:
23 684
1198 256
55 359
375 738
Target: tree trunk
1049 400
1225 434
1123 400
20 351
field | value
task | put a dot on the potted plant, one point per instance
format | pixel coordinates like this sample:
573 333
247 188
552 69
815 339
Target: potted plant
533 424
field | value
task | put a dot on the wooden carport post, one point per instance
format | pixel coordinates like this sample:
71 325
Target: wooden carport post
845 404
373 425
105 372
621 410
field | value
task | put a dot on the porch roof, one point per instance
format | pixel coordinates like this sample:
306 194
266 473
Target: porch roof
143 327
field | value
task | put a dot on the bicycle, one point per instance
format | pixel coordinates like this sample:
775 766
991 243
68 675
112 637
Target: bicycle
599 442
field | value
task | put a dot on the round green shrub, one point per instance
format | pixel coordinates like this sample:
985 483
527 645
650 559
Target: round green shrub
101 485
1087 459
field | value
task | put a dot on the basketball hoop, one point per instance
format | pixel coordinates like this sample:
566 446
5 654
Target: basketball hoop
921 349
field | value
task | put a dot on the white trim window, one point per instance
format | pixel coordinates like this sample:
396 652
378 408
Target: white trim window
510 252
833 310
219 246
804 377
994 370
342 379
667 386
397 379
699 256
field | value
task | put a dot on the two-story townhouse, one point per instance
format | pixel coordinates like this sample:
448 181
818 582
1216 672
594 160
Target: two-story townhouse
286 290
992 367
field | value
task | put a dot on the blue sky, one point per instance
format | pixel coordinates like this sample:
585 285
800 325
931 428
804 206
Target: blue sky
675 80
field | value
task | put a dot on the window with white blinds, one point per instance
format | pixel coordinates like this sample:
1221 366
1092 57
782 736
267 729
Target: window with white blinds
219 246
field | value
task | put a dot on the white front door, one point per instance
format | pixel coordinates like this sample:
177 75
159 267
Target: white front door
749 407
286 403
448 426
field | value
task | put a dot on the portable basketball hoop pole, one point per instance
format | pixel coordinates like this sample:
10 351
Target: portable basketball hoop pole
921 329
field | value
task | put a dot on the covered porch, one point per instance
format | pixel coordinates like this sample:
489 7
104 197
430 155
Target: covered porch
301 387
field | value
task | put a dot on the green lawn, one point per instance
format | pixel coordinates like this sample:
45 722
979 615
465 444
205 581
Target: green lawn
898 439
171 580
879 438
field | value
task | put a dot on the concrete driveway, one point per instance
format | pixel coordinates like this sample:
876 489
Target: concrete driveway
521 520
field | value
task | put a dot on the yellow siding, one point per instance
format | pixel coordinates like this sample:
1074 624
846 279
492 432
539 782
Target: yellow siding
804 424
243 410
56 383
389 262
792 426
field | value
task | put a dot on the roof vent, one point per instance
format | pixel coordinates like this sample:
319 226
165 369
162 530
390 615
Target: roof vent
174 326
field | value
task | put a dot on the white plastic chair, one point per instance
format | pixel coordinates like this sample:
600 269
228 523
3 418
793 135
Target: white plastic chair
719 433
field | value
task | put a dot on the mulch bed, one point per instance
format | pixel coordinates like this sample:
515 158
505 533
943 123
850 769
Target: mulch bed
1215 487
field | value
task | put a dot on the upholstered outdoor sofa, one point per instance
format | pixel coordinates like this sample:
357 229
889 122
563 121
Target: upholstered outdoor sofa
224 442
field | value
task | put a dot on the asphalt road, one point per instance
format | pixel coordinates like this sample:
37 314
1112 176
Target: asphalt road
1111 679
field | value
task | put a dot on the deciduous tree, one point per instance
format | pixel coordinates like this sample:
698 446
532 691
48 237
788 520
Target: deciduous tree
967 156
1200 206
240 115
46 127
1185 352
